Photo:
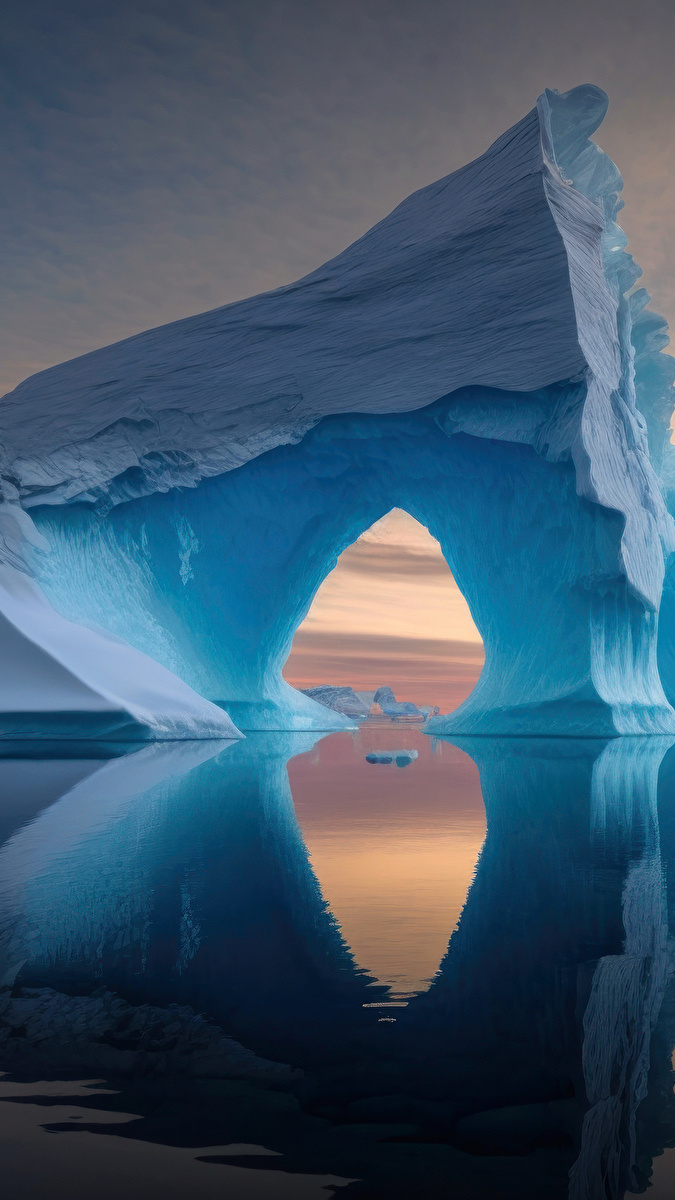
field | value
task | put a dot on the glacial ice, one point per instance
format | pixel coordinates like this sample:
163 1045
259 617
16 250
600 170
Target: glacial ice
88 678
480 358
341 699
391 707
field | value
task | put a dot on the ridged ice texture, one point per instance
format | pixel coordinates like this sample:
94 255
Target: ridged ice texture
465 282
610 448
498 294
569 649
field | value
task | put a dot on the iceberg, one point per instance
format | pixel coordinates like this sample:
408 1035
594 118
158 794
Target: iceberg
397 709
480 358
341 699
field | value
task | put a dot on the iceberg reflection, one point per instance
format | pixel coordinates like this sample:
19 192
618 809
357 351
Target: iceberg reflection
178 874
553 984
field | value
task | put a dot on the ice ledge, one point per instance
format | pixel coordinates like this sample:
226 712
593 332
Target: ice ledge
61 680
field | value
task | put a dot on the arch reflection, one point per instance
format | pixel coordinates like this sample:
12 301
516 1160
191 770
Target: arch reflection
178 874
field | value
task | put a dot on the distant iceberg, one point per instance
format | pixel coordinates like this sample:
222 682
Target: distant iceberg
397 709
171 504
341 699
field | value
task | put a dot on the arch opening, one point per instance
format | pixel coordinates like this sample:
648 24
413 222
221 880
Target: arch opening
390 613
263 538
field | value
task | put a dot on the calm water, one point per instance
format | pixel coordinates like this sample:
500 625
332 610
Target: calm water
270 968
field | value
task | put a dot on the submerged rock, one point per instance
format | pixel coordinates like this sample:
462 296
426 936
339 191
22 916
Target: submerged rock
103 1031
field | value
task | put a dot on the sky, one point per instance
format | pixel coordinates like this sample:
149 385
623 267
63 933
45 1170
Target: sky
163 157
390 613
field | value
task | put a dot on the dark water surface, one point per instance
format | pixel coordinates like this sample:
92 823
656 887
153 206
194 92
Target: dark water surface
273 969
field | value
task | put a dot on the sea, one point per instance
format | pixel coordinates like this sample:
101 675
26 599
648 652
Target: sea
372 964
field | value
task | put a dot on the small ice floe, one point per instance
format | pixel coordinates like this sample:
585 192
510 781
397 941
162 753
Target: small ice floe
401 758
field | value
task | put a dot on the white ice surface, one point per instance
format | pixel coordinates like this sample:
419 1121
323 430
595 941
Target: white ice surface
467 281
509 273
52 665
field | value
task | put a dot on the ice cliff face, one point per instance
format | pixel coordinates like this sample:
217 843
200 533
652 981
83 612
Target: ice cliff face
475 358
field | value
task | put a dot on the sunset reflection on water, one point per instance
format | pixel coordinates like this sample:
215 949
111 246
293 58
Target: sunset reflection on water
394 849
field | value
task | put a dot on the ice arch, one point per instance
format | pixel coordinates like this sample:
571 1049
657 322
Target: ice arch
473 359
223 618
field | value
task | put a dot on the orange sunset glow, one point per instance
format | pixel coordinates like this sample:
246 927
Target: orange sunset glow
395 873
390 613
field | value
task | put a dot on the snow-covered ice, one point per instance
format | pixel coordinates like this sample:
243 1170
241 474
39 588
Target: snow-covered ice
480 358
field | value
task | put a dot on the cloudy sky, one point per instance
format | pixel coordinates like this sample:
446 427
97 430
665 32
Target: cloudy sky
161 157
391 613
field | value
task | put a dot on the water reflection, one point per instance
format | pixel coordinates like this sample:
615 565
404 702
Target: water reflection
539 1055
394 850
178 874
554 981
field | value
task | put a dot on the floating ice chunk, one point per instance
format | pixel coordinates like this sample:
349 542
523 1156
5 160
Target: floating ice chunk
401 758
